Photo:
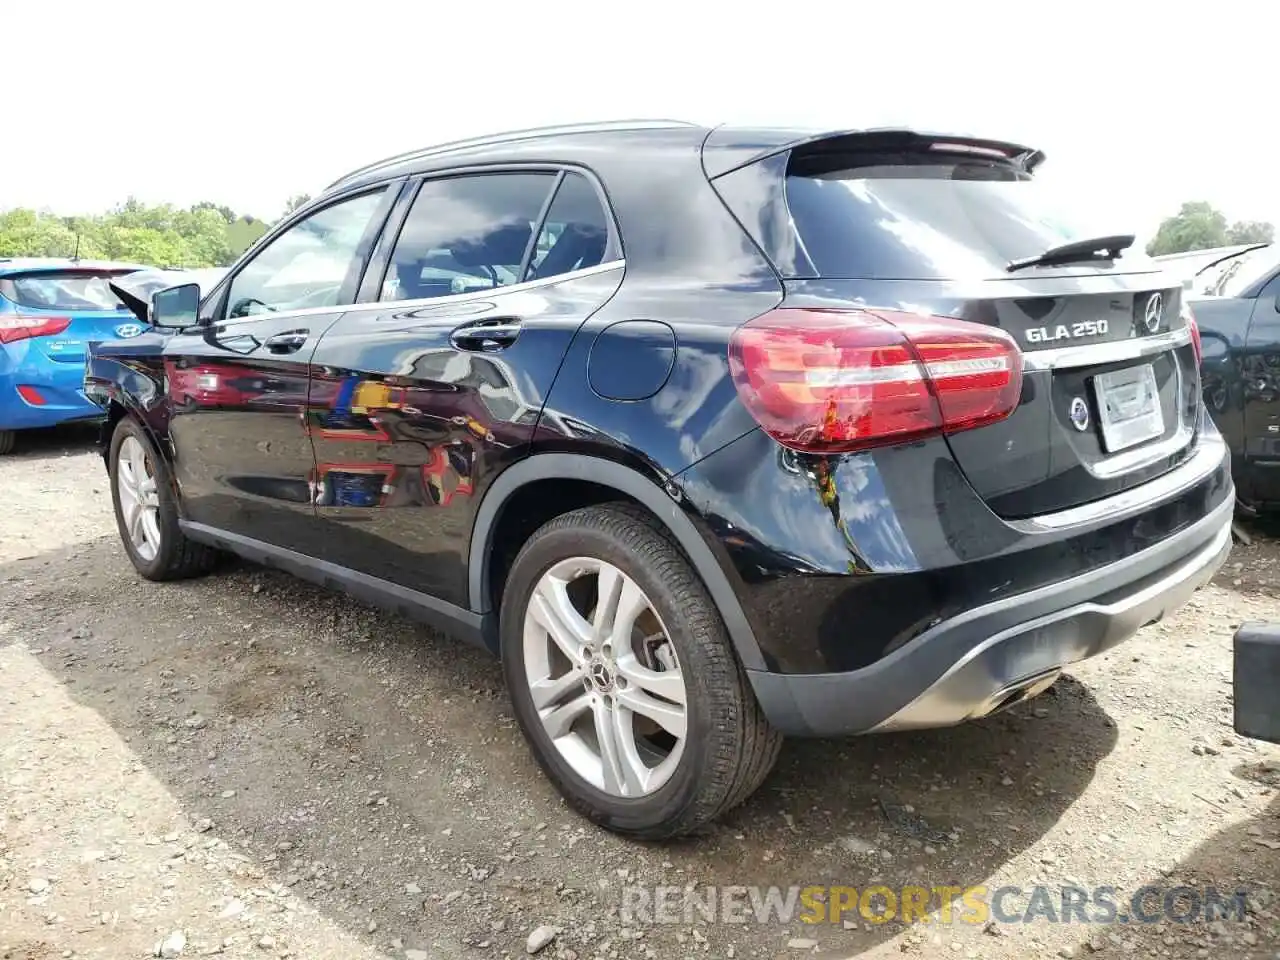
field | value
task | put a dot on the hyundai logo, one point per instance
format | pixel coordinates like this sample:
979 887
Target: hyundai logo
1155 308
127 330
1079 414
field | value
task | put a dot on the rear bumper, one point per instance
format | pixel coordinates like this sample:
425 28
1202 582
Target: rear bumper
60 385
995 654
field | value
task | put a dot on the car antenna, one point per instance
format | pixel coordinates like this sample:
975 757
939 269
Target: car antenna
75 257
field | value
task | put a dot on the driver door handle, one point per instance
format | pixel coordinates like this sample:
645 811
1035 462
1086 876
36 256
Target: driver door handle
290 342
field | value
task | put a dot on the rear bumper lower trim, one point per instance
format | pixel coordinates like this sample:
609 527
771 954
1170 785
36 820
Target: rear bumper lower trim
972 664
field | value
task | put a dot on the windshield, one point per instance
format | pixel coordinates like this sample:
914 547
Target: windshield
63 291
1233 277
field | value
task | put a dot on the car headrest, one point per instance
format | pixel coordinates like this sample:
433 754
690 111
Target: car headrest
504 246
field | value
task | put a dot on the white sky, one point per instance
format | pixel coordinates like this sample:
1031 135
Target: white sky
1138 104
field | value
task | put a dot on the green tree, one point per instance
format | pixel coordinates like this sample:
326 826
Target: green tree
202 235
243 233
295 202
1251 231
1197 226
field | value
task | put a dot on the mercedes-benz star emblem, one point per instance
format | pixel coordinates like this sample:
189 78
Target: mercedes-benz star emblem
1079 414
1155 309
599 675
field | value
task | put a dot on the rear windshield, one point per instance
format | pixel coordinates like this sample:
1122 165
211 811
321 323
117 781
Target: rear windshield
63 291
922 216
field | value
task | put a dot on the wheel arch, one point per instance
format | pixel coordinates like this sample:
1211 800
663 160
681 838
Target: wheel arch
628 484
118 408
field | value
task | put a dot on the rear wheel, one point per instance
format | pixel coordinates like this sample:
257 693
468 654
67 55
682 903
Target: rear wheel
624 680
146 512
8 439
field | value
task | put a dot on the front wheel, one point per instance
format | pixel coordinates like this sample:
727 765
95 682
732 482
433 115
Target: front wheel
146 510
623 678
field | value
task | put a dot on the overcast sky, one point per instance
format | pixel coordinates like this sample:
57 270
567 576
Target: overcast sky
1139 105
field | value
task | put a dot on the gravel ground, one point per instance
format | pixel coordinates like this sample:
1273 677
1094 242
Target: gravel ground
248 766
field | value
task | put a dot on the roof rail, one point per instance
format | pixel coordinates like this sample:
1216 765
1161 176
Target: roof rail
509 135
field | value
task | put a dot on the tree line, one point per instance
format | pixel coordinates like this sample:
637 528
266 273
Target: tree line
1198 226
202 235
213 235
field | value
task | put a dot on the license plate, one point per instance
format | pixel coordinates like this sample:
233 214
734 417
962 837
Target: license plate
1128 407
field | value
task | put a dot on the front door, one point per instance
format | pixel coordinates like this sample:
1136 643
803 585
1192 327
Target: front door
238 382
421 397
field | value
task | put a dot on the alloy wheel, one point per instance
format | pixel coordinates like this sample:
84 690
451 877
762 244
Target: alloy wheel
139 500
604 676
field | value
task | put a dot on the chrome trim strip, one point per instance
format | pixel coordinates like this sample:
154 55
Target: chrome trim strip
430 301
1063 358
1128 461
492 291
1208 457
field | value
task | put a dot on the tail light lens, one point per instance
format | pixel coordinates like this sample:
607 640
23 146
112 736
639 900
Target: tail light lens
1190 320
833 381
15 328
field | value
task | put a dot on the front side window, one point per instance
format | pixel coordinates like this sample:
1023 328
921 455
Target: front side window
306 265
465 234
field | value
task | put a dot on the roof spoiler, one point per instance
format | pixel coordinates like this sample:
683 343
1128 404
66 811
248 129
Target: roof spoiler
881 138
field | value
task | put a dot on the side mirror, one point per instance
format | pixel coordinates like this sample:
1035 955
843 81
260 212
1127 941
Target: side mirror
176 307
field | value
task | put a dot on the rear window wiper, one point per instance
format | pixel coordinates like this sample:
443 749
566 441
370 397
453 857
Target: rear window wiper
1094 248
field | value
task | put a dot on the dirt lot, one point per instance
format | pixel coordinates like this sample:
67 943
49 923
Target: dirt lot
251 767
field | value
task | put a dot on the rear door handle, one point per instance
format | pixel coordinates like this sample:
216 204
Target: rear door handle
290 342
487 335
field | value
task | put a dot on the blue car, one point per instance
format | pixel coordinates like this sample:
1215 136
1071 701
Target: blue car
49 309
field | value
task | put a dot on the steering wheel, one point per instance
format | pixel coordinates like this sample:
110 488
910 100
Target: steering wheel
241 309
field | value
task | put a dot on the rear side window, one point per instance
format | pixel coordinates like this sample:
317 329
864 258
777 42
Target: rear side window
465 234
64 290
575 234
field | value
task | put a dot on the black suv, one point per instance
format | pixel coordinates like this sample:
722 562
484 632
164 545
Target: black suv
714 435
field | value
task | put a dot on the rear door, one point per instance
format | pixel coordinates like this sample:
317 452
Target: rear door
238 382
423 394
1111 386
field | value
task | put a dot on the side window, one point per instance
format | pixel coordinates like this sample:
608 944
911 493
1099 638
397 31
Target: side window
464 234
575 233
306 265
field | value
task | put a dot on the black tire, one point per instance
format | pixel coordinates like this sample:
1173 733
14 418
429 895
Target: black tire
730 747
8 440
176 558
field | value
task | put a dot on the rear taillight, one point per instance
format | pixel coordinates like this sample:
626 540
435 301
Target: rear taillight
832 381
14 328
1189 319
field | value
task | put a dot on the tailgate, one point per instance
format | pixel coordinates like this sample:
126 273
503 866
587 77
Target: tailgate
1110 398
69 345
960 231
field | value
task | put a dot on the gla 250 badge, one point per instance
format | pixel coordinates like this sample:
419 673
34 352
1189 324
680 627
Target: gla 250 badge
1152 314
1085 328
